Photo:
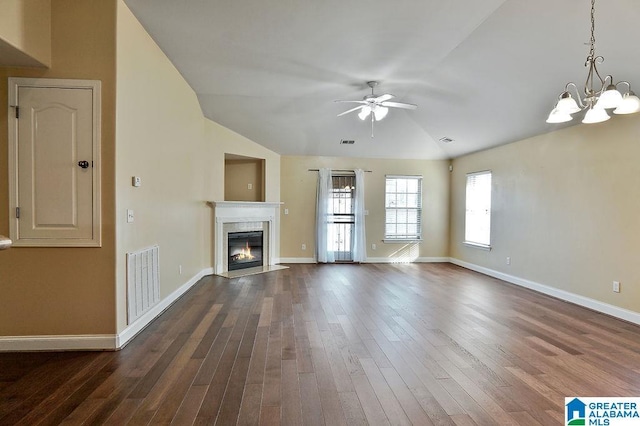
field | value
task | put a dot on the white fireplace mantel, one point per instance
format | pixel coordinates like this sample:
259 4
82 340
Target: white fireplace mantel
244 213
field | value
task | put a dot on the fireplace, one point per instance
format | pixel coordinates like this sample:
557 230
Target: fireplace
245 216
245 249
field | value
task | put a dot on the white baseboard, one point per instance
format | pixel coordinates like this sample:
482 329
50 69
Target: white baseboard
398 260
372 260
133 329
577 299
107 342
58 343
297 260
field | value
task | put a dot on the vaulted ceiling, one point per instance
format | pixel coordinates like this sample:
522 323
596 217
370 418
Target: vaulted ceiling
482 72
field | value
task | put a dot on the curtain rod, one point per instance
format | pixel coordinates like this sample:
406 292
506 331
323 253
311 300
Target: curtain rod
340 170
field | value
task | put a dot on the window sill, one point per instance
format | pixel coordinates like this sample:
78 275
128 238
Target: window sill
401 241
477 245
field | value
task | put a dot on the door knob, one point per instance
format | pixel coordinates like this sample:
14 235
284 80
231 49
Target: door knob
83 164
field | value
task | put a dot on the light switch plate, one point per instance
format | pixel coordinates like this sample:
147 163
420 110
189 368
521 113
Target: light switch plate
129 216
136 181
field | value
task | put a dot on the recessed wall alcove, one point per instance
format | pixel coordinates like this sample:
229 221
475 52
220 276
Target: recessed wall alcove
244 178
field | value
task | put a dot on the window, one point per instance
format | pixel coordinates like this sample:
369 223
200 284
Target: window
477 220
403 208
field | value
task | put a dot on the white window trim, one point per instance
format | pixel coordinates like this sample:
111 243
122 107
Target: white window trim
388 240
475 244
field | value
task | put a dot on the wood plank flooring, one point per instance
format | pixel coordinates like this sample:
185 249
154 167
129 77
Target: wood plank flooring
422 344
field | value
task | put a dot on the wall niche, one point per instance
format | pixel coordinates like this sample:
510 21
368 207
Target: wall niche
243 178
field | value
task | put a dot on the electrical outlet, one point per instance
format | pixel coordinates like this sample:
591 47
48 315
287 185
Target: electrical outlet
304 247
616 287
129 216
249 186
373 246
286 211
508 260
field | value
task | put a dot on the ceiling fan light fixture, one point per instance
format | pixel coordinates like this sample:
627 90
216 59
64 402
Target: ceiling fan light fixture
376 106
364 113
380 112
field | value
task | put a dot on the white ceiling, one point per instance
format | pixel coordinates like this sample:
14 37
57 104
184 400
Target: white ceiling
482 72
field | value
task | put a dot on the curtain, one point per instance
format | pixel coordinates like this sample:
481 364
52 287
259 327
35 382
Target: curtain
359 238
323 242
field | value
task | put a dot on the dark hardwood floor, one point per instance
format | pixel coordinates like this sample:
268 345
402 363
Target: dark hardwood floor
337 344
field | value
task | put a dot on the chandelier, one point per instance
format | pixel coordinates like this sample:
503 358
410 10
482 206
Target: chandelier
596 100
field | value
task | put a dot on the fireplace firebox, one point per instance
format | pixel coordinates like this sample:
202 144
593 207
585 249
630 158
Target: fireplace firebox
245 250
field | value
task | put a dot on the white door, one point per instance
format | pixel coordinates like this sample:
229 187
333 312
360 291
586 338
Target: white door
55 198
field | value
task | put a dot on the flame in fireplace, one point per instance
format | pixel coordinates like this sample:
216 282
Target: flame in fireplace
245 254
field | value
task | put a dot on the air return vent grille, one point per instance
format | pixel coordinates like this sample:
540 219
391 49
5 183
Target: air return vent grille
143 282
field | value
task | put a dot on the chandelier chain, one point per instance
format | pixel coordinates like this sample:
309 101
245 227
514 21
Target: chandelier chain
593 29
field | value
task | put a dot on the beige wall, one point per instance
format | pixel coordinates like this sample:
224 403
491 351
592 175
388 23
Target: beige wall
238 174
163 138
229 142
565 209
298 187
25 32
224 141
65 290
159 138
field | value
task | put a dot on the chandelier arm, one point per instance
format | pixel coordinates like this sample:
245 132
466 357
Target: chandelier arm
588 84
603 81
623 82
577 93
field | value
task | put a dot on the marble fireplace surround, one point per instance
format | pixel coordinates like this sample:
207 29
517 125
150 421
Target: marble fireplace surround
244 216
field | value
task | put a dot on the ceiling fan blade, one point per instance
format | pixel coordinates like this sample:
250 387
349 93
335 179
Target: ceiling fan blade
399 105
383 98
354 102
351 110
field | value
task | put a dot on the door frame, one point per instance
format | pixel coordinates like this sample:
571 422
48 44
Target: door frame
14 84
351 224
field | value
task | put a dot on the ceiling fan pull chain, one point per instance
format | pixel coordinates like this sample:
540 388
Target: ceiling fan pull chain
372 124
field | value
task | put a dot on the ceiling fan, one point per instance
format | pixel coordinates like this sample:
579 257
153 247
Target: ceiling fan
375 106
